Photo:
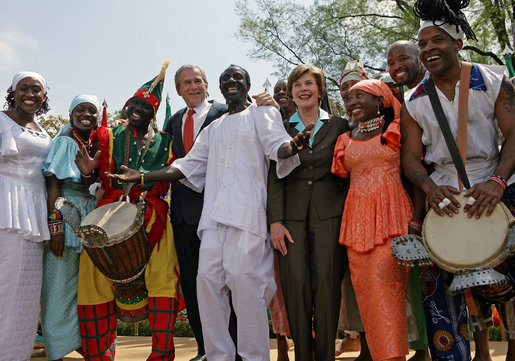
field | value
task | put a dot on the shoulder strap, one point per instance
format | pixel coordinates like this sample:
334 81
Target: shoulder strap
446 131
463 102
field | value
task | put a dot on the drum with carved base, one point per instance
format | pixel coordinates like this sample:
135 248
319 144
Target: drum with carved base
114 238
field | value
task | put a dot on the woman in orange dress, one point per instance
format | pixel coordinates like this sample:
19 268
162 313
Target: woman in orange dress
377 210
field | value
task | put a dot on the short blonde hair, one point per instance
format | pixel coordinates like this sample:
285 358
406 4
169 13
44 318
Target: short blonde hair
302 69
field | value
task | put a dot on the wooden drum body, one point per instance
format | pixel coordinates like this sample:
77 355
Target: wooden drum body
115 239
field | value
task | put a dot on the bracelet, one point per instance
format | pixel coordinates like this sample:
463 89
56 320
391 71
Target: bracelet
55 217
56 228
56 223
142 178
416 225
499 180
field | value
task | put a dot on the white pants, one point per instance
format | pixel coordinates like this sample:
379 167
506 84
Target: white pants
21 268
239 262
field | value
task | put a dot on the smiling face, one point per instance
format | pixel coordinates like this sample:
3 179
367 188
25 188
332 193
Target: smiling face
362 105
29 95
438 51
192 87
280 95
305 92
403 64
234 84
344 90
84 117
139 112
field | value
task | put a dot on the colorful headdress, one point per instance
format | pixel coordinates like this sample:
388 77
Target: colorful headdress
151 91
380 88
353 71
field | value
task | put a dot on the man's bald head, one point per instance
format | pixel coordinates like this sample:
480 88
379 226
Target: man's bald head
403 64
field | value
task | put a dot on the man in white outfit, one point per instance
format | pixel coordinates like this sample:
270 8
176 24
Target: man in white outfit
229 160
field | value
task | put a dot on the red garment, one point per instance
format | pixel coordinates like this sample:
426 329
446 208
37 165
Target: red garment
97 324
154 198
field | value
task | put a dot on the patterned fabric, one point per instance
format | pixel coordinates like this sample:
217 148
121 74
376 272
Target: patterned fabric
380 285
98 331
59 303
446 316
377 206
162 315
20 284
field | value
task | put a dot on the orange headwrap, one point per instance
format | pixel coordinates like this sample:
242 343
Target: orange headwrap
379 88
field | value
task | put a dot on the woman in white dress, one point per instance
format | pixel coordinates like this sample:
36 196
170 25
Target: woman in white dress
23 219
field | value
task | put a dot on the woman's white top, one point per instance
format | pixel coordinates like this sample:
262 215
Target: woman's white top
23 191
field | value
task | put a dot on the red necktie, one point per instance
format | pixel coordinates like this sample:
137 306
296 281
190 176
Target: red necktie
187 137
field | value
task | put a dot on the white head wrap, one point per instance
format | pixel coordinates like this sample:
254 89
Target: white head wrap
28 74
445 26
85 98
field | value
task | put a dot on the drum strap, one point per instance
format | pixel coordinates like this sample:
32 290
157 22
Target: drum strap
457 159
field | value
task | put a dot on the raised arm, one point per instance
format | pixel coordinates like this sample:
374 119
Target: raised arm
298 143
411 156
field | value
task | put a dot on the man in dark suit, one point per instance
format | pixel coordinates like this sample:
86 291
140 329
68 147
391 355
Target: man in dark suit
186 204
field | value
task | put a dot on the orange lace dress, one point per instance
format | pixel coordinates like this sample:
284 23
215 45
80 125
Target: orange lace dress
377 206
377 209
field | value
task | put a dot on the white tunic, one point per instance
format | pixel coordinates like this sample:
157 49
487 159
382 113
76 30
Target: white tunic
230 160
482 150
22 184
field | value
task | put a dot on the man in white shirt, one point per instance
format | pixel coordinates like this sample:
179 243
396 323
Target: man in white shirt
230 160
185 204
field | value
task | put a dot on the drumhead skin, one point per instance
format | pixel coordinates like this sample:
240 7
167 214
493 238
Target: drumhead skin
458 242
116 219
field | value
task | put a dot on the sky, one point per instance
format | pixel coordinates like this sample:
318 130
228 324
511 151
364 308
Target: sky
110 48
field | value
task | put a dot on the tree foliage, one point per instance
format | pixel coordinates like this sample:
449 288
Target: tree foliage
329 33
52 124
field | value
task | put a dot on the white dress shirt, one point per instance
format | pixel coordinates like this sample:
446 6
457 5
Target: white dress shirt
229 159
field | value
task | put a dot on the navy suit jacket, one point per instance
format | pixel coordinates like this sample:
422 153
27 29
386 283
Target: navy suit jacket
186 204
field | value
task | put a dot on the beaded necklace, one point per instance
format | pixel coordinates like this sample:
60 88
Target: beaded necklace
81 142
371 124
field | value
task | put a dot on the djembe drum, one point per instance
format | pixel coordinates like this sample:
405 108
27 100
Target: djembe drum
468 247
114 238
